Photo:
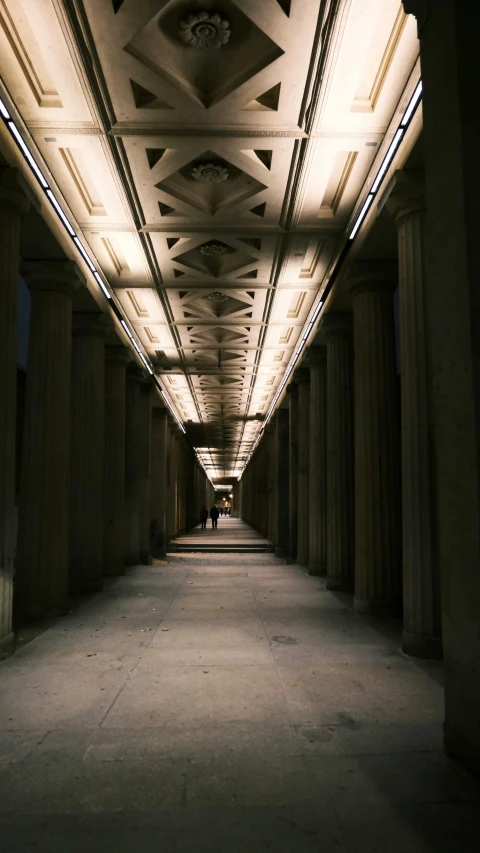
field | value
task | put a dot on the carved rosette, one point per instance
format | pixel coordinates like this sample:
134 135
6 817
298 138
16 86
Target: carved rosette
213 249
217 296
203 31
210 173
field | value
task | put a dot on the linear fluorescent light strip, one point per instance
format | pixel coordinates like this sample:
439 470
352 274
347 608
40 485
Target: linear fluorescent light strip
22 145
377 182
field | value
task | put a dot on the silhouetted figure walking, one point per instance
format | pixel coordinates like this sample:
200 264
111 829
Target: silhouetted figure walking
204 516
214 516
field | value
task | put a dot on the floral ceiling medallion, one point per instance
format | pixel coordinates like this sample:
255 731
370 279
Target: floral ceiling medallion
210 173
217 296
213 249
204 31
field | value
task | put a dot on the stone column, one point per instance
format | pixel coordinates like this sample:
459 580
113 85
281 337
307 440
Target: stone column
42 555
421 574
13 206
292 391
282 484
86 454
132 466
302 377
377 442
316 359
159 491
337 329
450 58
144 438
116 360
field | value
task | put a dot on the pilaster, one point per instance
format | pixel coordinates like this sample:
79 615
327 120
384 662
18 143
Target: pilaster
337 330
14 204
43 540
316 360
377 441
116 360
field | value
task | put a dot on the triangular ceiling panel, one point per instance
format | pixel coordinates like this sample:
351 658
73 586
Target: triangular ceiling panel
154 155
147 100
267 102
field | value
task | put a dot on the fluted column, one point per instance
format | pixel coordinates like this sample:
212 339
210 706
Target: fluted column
86 455
316 359
116 360
282 484
377 442
13 206
421 572
159 492
132 466
302 377
144 439
43 551
292 391
337 329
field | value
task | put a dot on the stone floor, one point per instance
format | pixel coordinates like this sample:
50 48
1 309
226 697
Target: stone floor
225 702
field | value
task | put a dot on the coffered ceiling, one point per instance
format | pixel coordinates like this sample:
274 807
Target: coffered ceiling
211 153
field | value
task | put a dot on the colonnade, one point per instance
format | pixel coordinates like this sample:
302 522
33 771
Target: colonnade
107 477
335 465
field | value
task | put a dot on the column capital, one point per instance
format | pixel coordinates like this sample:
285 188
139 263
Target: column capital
91 324
62 276
160 413
15 194
302 376
367 276
405 194
135 373
420 9
315 355
336 324
118 353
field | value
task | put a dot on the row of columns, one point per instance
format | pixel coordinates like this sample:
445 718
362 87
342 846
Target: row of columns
107 478
342 466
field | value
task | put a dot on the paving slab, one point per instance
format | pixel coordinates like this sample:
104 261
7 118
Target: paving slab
225 701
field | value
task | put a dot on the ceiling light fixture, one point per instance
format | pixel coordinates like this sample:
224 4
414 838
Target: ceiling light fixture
357 223
27 154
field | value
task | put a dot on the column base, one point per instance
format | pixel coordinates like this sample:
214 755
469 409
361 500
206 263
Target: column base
281 552
336 584
461 748
302 560
88 586
317 569
422 646
7 645
114 571
145 558
376 608
132 560
291 560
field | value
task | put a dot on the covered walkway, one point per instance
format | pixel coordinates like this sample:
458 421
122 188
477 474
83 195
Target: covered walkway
225 701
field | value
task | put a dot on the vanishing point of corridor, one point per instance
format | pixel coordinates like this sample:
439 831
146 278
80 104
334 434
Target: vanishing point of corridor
223 700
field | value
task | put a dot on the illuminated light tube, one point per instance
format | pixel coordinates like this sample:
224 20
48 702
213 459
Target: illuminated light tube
146 363
4 111
412 105
388 158
84 253
361 216
63 218
98 279
26 152
60 212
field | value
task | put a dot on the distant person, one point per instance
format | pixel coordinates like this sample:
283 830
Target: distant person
214 517
204 516
229 510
